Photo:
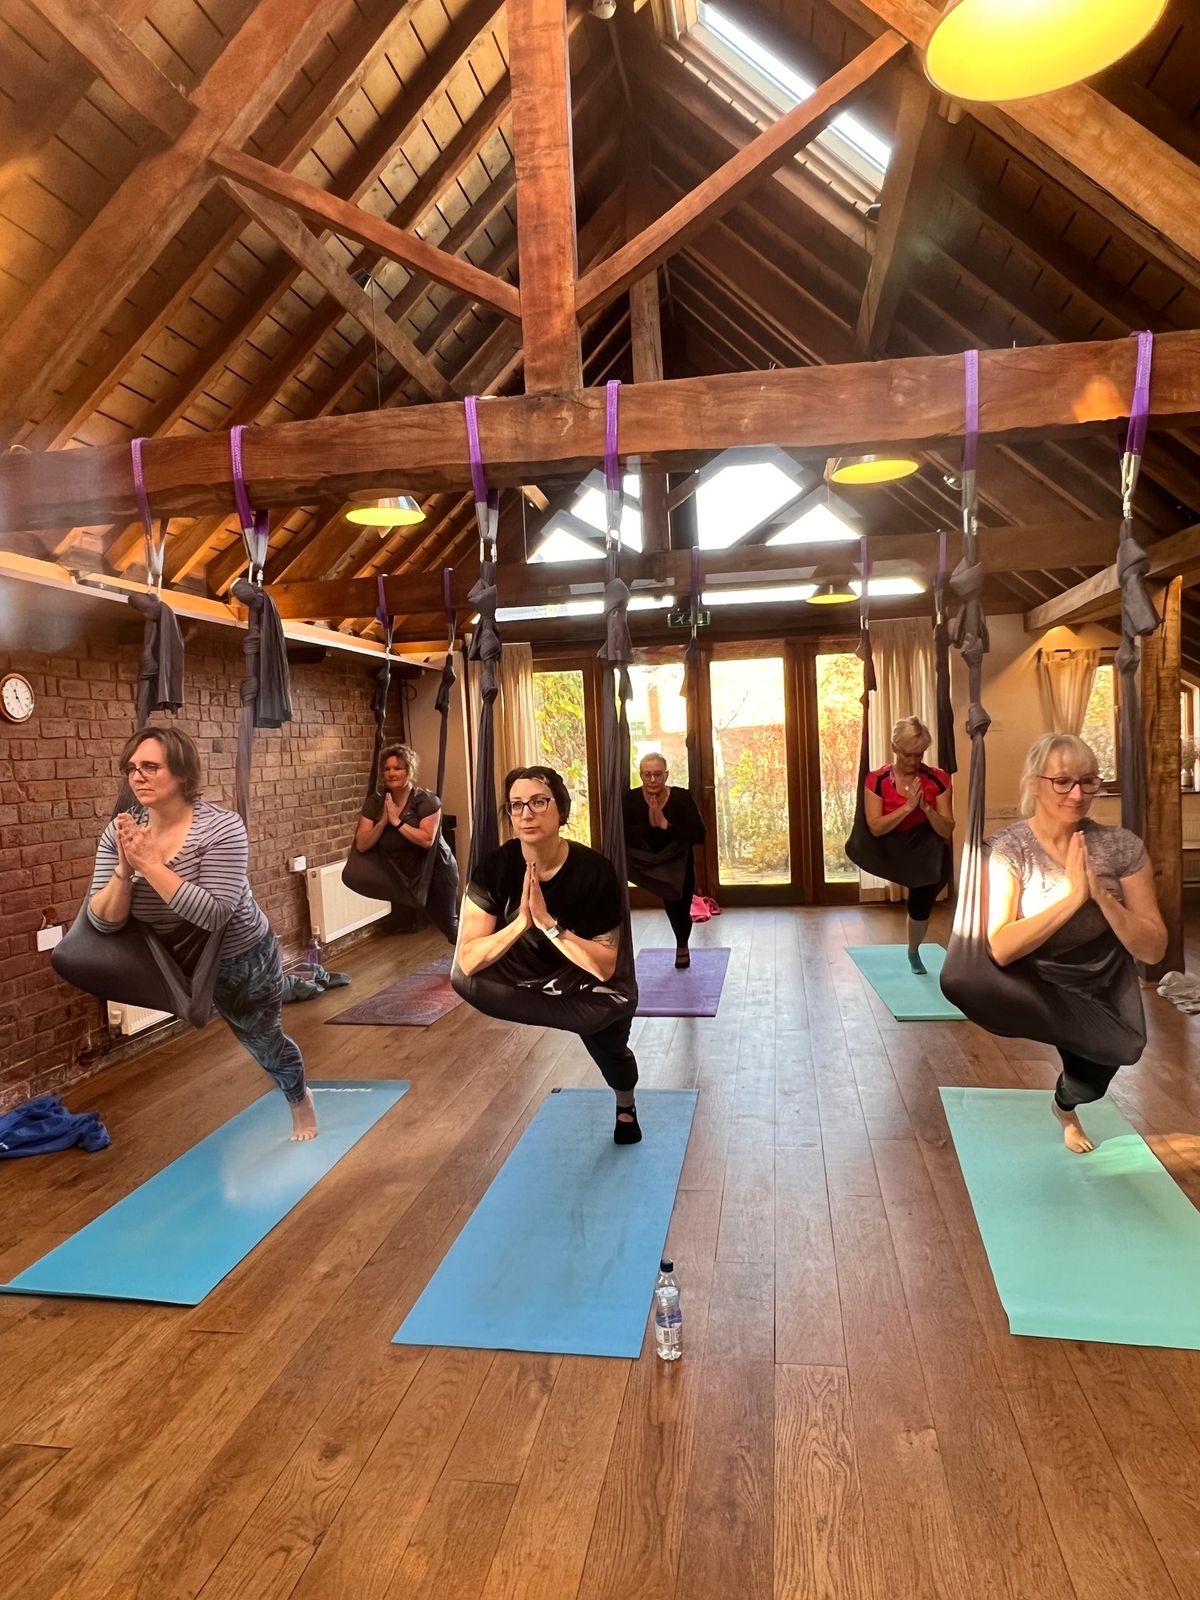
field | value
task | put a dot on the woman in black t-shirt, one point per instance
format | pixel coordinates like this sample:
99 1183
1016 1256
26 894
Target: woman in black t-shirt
403 823
662 829
538 942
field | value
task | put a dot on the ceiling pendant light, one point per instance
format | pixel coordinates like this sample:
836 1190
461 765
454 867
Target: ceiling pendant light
831 594
853 470
389 510
999 50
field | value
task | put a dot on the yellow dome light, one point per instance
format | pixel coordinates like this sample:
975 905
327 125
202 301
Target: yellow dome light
831 594
392 511
1000 50
872 469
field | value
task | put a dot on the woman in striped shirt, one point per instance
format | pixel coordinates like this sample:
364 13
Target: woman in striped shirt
178 864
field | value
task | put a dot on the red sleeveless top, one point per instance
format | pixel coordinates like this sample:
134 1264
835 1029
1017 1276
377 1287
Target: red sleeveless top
933 782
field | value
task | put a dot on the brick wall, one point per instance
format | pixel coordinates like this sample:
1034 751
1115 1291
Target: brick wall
58 783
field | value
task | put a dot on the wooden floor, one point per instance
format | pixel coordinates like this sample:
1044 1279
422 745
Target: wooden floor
851 1417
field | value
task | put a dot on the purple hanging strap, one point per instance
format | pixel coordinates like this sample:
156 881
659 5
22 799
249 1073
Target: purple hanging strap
156 544
383 615
448 606
864 567
254 524
614 496
1139 418
970 438
487 505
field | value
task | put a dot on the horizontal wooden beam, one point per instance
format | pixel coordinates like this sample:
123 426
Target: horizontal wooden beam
710 200
352 222
816 412
539 583
98 39
1100 595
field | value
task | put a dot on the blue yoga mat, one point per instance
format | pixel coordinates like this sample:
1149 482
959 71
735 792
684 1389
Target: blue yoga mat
907 997
174 1238
1127 1266
561 1253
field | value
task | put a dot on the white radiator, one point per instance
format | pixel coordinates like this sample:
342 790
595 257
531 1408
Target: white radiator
134 1019
333 909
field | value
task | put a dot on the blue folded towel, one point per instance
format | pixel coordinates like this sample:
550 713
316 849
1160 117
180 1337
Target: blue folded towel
44 1125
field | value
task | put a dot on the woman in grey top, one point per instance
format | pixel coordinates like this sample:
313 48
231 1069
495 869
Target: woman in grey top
178 864
1077 898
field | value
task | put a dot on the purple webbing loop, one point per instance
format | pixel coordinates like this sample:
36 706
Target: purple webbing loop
614 495
478 476
695 588
382 609
971 430
1139 411
241 499
139 486
941 564
447 597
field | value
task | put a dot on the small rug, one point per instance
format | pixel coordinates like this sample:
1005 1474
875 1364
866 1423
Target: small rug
414 1001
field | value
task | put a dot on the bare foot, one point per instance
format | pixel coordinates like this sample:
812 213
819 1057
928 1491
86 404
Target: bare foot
304 1118
1073 1135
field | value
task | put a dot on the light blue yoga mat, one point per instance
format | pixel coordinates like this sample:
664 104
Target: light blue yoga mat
907 997
174 1238
562 1252
1102 1247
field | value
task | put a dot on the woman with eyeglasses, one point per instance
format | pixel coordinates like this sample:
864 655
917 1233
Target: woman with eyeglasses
539 935
179 865
402 823
662 829
1073 897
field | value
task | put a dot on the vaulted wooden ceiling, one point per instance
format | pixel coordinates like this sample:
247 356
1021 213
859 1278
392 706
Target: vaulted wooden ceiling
137 296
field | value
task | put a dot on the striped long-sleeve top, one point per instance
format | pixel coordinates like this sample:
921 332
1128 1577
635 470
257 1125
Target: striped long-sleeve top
214 893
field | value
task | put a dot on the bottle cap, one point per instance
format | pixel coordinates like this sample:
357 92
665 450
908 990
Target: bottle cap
666 1265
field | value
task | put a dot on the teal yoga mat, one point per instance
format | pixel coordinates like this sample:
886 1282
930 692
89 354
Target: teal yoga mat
562 1252
1102 1247
173 1239
907 997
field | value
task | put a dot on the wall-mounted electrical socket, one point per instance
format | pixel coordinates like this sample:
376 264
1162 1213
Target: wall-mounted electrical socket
299 863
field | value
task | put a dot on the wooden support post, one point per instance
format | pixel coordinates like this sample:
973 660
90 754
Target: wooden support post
540 70
645 330
1160 689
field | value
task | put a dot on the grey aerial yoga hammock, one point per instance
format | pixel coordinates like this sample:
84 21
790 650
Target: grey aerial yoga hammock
571 999
133 966
1079 990
912 857
370 872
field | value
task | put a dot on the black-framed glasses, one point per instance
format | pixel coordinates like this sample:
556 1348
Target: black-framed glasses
144 769
537 804
1061 784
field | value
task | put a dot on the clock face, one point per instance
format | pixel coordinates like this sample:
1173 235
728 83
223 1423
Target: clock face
16 698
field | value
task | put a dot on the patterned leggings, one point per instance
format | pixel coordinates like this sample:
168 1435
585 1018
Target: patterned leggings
249 995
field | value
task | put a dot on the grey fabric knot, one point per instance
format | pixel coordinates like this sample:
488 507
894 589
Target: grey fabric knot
160 667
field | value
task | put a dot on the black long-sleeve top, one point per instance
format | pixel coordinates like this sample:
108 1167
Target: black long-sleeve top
684 823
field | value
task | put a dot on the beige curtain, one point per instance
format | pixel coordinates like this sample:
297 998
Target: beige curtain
904 671
1066 678
514 720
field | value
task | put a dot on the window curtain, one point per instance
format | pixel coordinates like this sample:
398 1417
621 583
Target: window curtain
904 673
515 723
1066 678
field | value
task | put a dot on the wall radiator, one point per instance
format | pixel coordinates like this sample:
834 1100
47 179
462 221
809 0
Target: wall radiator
333 909
129 1020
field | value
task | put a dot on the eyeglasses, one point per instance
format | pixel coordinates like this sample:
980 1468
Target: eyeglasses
144 769
537 805
1061 784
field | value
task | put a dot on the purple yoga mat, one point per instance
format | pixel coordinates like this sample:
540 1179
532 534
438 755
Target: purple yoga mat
414 1001
694 992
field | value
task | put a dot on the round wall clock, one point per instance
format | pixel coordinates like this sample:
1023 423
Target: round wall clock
16 697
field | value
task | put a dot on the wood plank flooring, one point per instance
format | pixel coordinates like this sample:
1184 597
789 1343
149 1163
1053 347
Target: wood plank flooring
851 1419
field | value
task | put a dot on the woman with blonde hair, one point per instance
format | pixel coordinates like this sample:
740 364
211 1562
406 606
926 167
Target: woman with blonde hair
401 824
912 806
1075 899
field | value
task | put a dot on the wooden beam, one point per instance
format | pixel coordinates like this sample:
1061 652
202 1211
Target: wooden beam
908 186
674 425
1002 550
1100 596
89 282
1135 181
1160 690
98 39
307 251
740 174
540 70
351 222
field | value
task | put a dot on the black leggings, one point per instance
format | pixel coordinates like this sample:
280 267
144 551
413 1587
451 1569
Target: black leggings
679 912
1081 1081
609 1049
920 901
441 903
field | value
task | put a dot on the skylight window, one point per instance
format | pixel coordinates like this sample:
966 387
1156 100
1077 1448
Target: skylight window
739 496
820 524
846 136
560 544
581 608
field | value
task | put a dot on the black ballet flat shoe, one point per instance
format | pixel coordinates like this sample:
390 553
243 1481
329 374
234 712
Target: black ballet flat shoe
683 958
627 1132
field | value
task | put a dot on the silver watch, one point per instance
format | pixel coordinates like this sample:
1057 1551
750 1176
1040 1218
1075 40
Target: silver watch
553 931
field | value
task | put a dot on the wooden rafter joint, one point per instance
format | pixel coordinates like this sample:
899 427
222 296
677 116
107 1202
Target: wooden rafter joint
1100 595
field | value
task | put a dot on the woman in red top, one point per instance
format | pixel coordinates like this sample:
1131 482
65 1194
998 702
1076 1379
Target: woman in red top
914 805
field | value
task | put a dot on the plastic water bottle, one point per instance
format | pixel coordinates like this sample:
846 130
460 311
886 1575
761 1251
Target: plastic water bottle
668 1318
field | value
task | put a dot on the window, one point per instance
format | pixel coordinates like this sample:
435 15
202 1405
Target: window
658 718
839 734
750 771
1100 721
558 705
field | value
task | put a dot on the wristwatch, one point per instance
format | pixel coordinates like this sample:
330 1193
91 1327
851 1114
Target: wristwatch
553 931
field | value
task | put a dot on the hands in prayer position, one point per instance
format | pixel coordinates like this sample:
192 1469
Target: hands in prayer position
136 849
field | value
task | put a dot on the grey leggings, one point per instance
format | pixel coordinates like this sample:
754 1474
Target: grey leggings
249 995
